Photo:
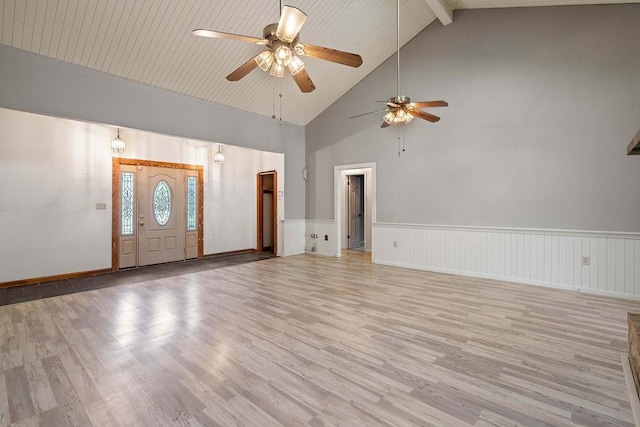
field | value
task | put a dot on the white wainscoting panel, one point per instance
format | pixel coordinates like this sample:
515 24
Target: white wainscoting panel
294 236
542 257
320 228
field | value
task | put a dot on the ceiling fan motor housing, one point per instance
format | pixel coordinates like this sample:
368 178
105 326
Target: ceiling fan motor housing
400 100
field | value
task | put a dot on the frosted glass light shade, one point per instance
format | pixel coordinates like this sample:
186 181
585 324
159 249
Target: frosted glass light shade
397 117
283 55
277 70
290 23
265 59
296 65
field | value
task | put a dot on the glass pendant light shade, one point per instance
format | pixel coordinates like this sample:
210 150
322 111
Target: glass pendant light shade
218 158
117 144
296 65
283 55
277 70
397 117
290 23
265 59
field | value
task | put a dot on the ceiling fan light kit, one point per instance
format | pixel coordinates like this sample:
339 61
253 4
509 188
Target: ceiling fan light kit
282 44
400 110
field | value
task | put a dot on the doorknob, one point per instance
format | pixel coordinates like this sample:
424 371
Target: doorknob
141 224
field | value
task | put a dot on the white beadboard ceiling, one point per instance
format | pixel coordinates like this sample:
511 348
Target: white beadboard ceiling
150 41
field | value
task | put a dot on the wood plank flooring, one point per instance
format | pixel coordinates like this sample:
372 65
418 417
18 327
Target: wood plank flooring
316 341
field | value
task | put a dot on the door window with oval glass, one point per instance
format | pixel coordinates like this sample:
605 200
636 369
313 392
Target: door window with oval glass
162 203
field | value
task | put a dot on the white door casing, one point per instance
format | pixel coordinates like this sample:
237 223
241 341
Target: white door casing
340 174
356 211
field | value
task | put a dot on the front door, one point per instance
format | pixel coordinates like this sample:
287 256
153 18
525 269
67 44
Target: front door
161 215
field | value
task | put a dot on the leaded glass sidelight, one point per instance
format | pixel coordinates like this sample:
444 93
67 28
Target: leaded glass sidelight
162 203
192 197
127 204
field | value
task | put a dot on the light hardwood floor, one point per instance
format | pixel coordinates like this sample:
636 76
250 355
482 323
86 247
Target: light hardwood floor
309 340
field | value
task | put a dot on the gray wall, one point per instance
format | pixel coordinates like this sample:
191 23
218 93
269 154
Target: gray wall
543 102
34 83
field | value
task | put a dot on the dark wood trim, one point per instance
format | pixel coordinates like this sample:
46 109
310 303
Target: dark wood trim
115 201
35 280
259 241
115 218
201 213
138 162
238 252
275 212
259 201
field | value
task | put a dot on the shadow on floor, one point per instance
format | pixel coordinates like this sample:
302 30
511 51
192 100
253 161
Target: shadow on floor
16 294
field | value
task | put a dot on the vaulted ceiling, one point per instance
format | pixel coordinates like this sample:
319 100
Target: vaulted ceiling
150 41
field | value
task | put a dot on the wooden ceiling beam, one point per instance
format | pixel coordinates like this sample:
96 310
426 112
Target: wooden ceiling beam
442 10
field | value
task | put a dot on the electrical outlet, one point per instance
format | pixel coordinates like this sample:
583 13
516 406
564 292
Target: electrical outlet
395 244
326 237
101 206
586 260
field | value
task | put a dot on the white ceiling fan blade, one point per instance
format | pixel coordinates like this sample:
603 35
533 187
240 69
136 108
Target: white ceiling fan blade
290 23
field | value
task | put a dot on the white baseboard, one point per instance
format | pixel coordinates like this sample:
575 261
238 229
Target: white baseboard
550 258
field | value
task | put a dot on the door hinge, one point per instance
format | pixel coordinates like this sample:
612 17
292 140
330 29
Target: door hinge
348 236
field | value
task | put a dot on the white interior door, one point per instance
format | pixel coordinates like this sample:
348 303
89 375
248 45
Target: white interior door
161 215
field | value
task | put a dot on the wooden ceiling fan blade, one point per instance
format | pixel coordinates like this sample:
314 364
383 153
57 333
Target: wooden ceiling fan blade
304 81
426 104
291 20
243 70
370 112
333 55
425 116
220 35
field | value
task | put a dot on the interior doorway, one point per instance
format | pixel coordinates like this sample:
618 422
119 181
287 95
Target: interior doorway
355 206
157 213
267 205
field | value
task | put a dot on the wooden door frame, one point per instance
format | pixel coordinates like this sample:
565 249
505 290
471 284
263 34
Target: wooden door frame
259 201
115 201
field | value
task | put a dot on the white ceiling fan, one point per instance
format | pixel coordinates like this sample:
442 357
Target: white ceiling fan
400 110
282 43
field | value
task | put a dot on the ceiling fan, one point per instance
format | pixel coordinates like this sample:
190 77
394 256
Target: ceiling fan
282 43
400 110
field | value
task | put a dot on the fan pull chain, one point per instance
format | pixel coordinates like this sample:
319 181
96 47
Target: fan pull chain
401 140
273 102
280 95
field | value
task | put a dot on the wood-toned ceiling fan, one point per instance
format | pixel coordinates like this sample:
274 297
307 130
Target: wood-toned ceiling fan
400 110
282 43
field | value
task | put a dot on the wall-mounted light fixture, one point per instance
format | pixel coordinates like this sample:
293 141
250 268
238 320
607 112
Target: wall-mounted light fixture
218 158
117 144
